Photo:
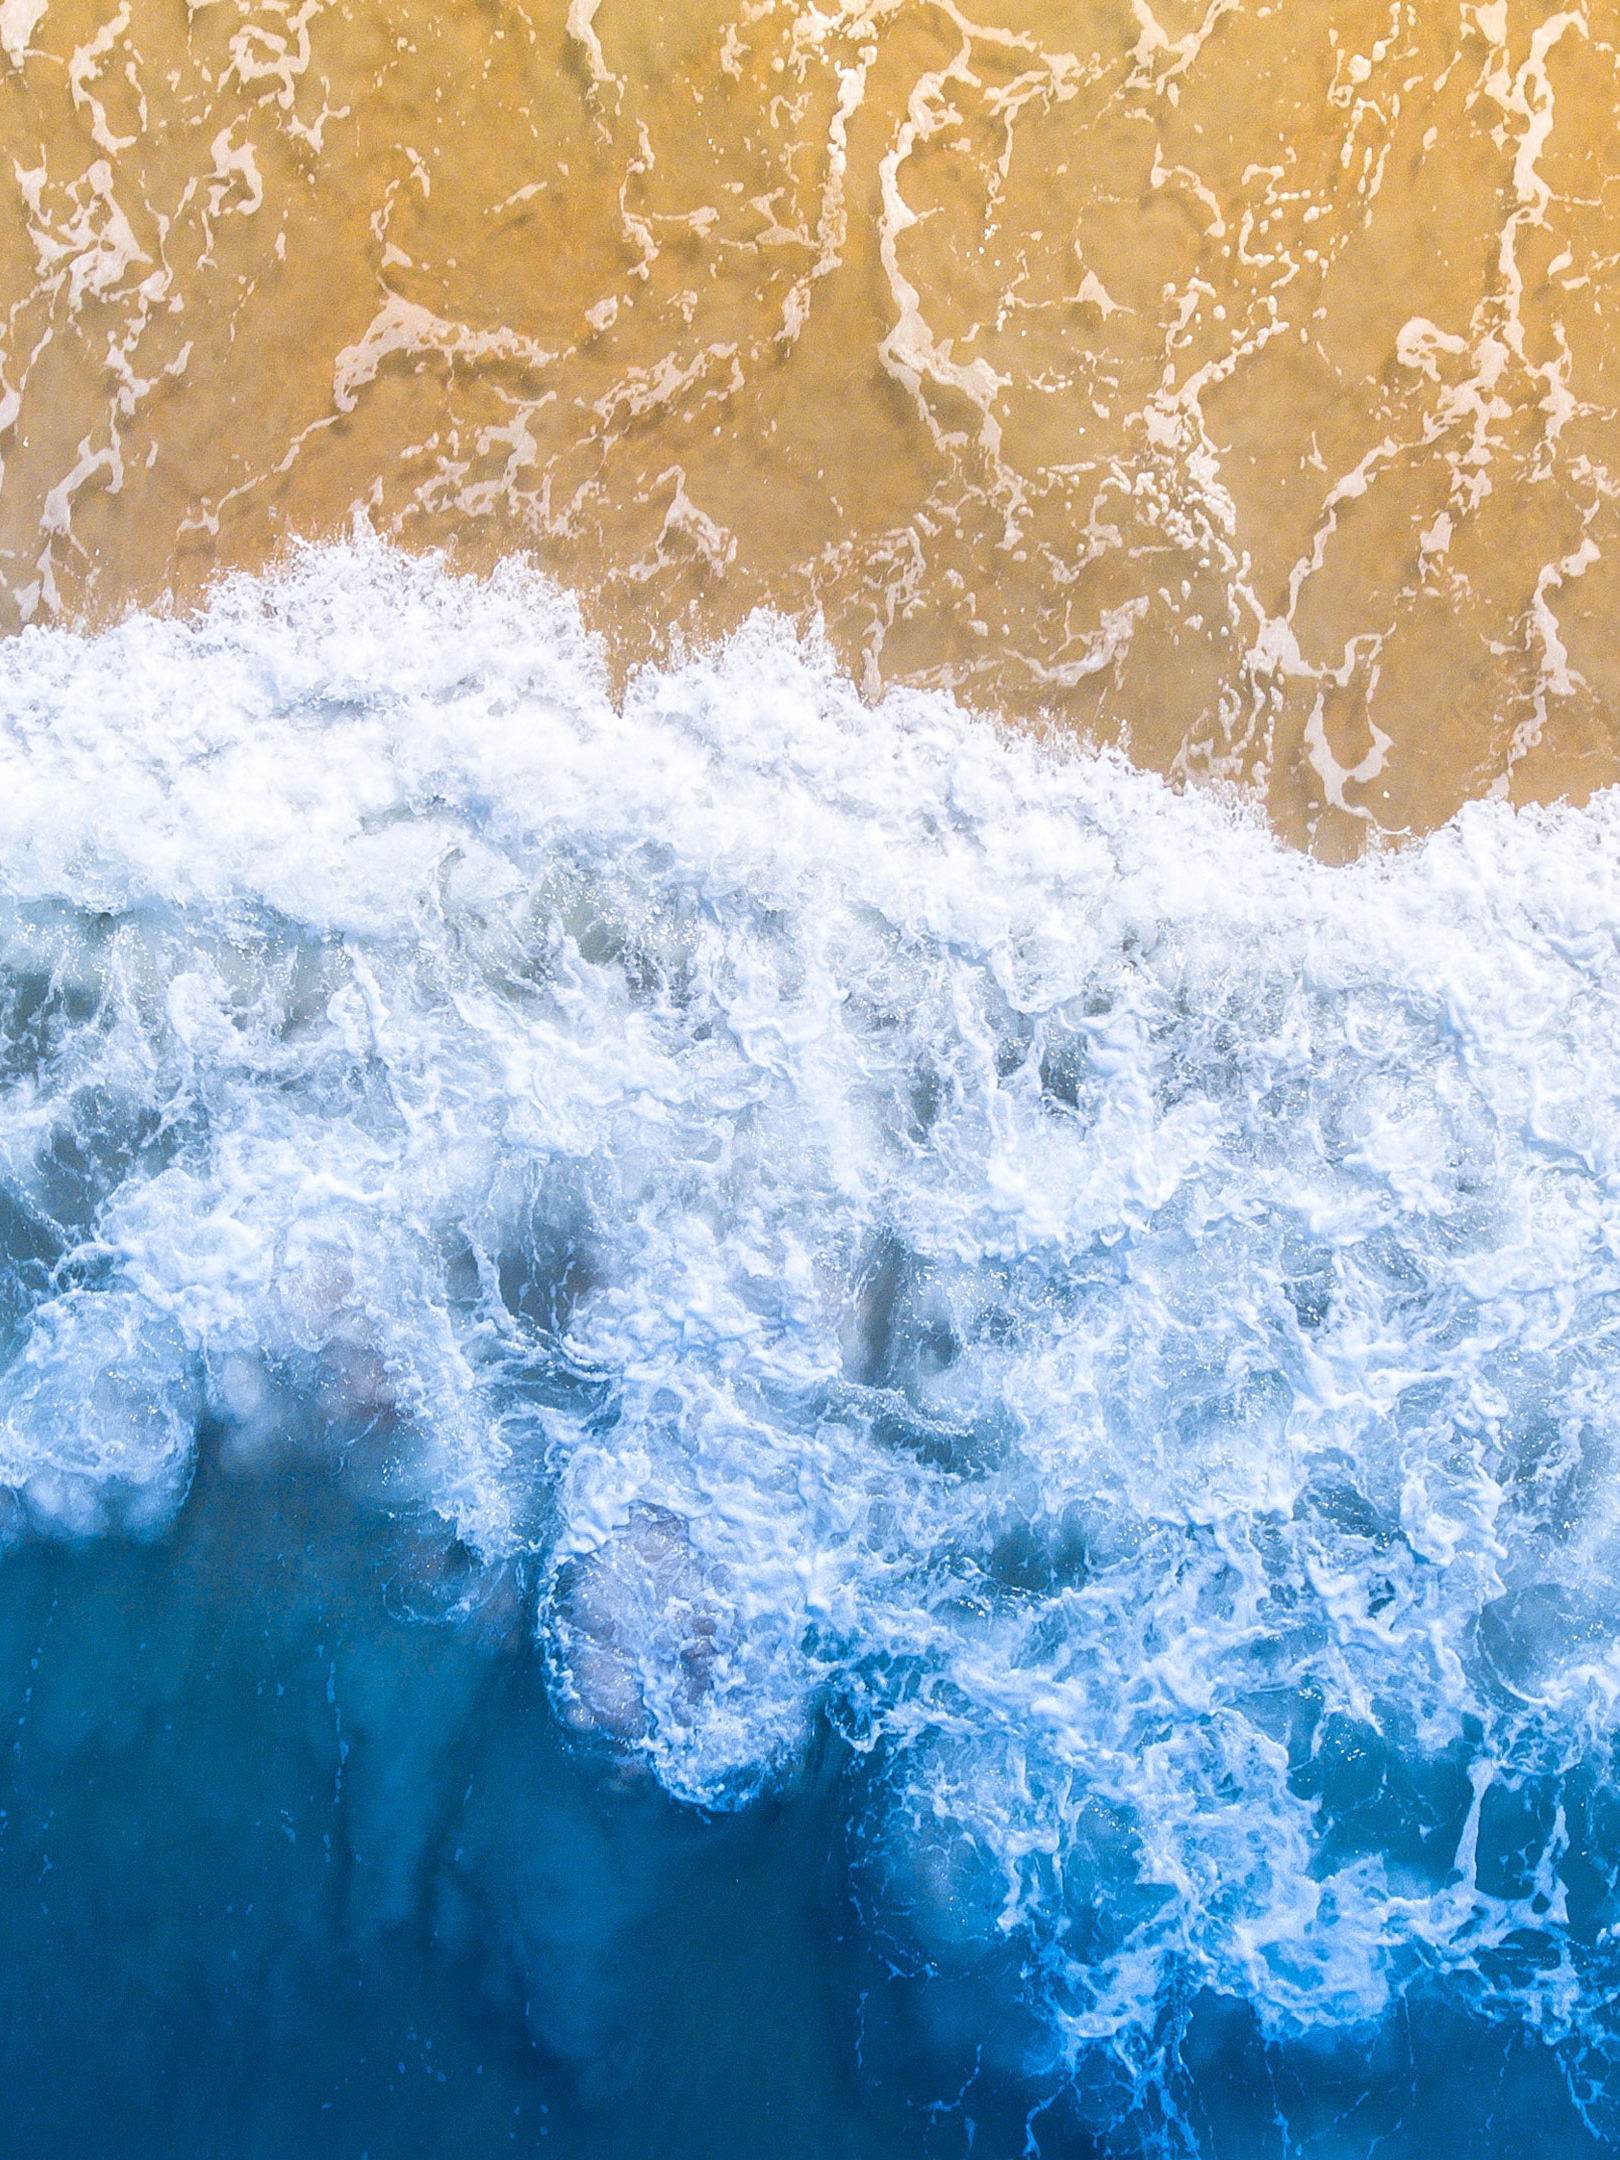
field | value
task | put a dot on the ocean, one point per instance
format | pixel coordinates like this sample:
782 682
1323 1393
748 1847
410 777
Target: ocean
809 1291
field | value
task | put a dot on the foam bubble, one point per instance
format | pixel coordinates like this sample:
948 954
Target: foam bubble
97 1415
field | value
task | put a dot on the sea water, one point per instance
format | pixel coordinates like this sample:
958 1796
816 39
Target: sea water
737 1425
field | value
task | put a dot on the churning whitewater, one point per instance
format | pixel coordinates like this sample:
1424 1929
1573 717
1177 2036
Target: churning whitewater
874 1224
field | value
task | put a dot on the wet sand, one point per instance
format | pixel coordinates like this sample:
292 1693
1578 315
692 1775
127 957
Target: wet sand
1229 382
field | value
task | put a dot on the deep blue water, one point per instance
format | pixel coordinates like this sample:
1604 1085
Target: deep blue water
289 1866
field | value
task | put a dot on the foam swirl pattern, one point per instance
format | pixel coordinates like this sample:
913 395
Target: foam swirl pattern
892 1230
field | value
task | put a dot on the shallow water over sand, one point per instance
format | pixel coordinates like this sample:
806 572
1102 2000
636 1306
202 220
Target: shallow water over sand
1232 382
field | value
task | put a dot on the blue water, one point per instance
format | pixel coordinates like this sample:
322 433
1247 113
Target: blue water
287 1871
731 1425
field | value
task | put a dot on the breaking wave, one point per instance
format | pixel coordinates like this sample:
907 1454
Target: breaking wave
881 1226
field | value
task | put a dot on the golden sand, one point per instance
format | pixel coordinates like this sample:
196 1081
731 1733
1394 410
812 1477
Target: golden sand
1228 381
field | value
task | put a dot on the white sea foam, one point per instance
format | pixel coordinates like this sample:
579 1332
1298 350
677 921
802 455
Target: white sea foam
1120 1317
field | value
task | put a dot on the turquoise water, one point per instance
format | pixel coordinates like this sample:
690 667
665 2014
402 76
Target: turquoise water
732 1425
287 1868
286 1872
